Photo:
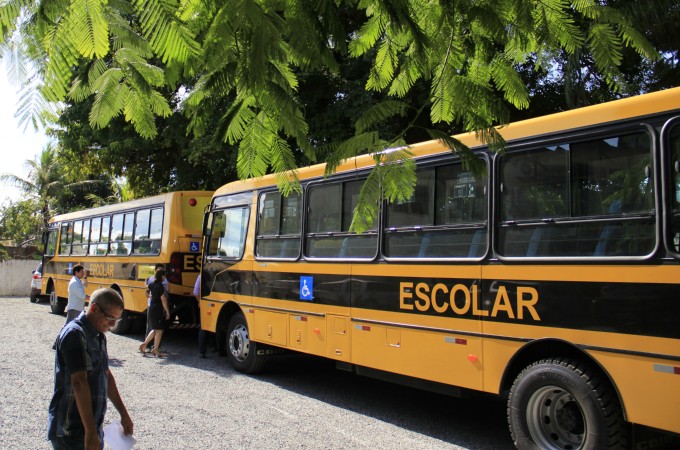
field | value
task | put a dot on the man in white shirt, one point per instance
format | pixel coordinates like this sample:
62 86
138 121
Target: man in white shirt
76 293
76 296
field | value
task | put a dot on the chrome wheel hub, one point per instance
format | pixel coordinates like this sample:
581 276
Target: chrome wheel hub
555 419
239 343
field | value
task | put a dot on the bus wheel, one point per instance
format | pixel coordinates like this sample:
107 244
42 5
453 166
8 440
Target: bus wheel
123 325
56 306
241 352
561 404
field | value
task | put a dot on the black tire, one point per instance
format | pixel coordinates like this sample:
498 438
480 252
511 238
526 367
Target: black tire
562 404
56 305
241 351
124 325
34 298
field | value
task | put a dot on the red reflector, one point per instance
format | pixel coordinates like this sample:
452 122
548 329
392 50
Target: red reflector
365 328
461 341
192 202
174 270
667 369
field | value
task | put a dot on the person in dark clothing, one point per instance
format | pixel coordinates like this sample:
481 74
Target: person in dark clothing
149 281
82 378
159 314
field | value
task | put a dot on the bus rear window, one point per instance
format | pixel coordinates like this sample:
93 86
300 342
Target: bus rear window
148 231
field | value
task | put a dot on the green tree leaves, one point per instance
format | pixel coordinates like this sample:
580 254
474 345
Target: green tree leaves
120 53
21 222
438 67
168 35
89 28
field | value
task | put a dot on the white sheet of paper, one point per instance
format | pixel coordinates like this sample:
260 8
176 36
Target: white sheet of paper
116 438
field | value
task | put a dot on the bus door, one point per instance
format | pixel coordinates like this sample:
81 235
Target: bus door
226 274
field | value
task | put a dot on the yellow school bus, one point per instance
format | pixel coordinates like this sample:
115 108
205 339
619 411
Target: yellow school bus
552 278
120 245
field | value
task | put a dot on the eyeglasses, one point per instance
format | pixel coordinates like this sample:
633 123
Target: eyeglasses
111 319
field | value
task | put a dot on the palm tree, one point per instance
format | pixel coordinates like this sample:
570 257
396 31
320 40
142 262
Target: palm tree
121 192
47 180
44 180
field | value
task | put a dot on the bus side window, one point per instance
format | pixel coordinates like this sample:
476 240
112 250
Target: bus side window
330 214
103 245
578 199
323 221
95 235
278 234
148 231
81 236
674 187
51 248
156 231
445 218
614 173
121 234
66 238
141 242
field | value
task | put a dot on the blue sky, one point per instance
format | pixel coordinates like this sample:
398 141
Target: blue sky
16 144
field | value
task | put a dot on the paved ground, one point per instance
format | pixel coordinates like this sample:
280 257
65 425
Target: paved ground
184 402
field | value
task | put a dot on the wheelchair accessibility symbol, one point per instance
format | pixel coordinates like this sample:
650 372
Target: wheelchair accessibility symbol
307 288
194 246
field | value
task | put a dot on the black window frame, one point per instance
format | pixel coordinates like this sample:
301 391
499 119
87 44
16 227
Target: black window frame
577 237
286 245
210 229
342 241
127 243
467 239
670 178
152 246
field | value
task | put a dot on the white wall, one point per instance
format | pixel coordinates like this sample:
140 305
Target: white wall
15 277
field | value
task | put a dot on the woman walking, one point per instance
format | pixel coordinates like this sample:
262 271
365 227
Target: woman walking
159 314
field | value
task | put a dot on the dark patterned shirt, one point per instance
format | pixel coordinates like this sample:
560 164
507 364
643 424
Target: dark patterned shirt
79 347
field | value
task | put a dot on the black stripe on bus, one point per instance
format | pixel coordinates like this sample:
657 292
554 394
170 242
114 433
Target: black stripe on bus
630 352
647 309
116 270
644 309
